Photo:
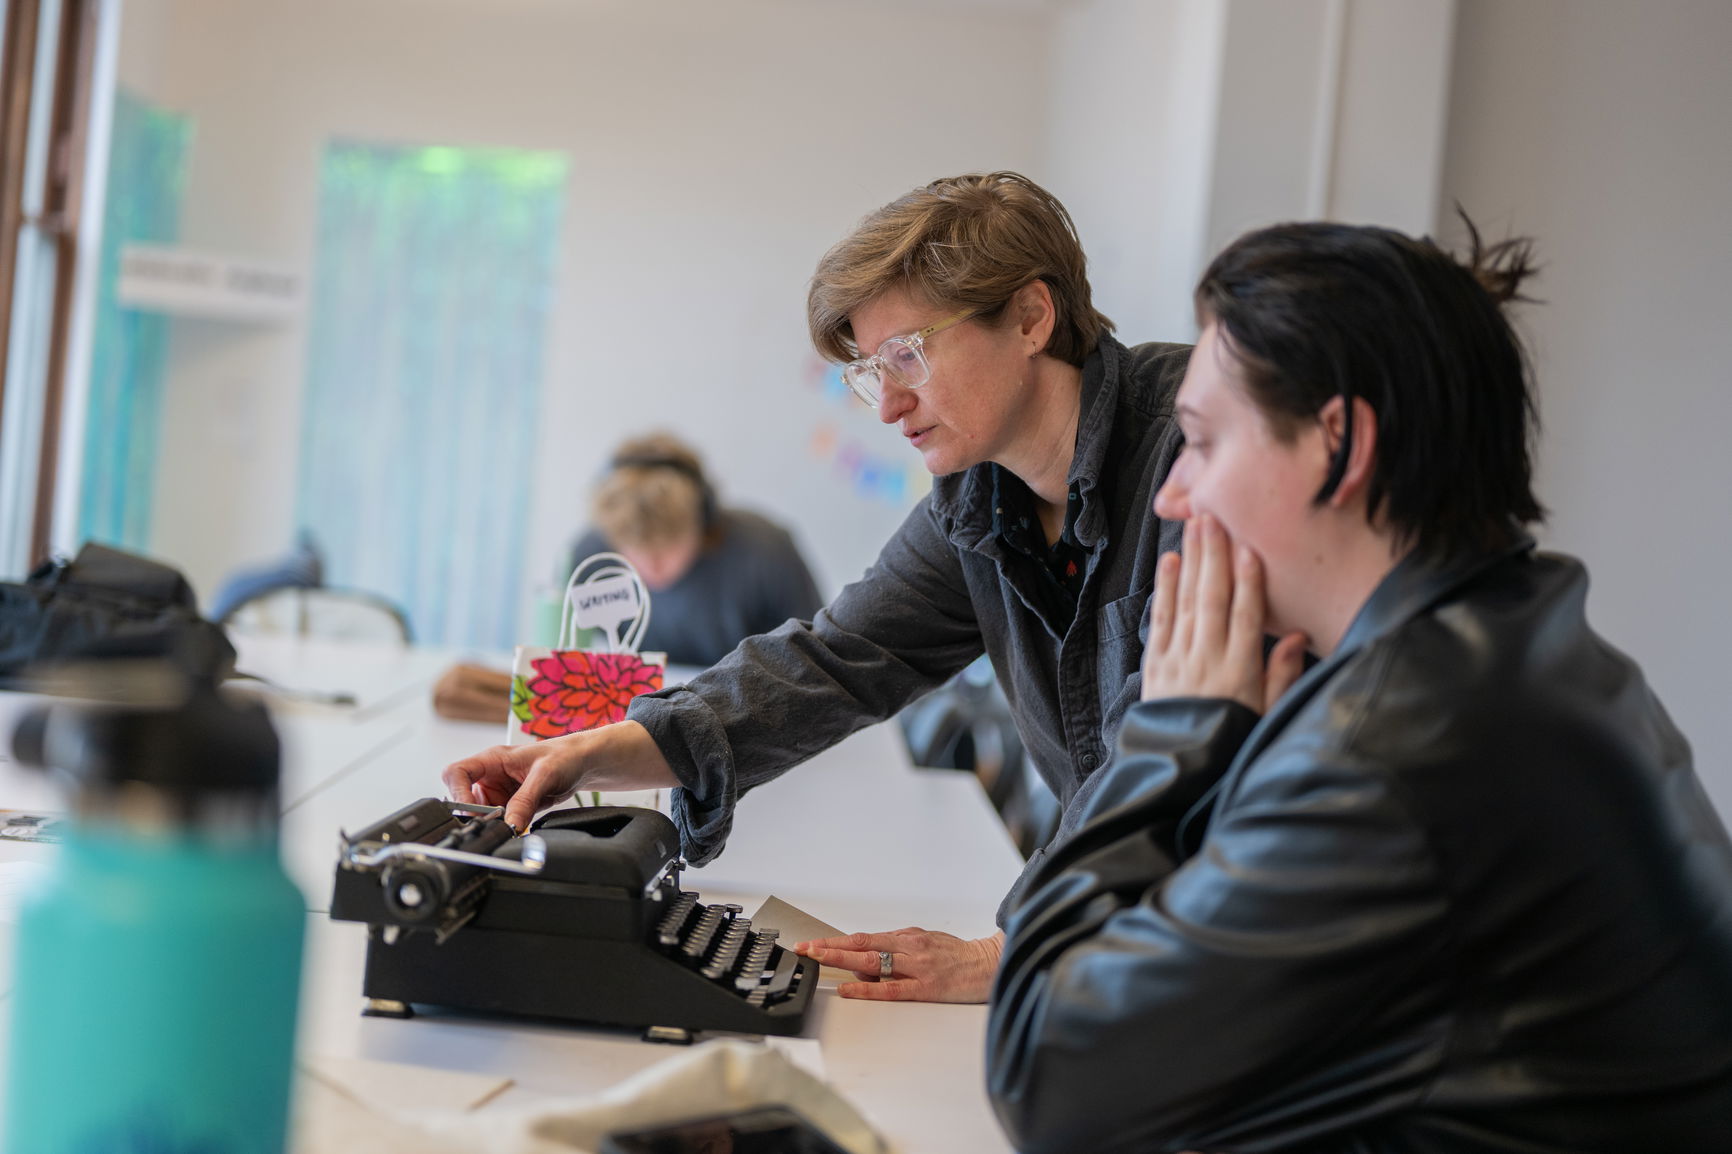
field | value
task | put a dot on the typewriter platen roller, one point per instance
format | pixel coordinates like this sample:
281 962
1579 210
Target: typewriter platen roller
582 918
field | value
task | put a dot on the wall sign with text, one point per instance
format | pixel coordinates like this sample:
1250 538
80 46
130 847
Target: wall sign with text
184 283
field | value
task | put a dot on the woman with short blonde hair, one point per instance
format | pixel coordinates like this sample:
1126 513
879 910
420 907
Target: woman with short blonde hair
963 314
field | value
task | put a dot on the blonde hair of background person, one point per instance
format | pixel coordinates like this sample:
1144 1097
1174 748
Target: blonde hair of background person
651 506
964 311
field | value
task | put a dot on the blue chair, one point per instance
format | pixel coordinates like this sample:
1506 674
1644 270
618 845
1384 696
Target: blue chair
289 597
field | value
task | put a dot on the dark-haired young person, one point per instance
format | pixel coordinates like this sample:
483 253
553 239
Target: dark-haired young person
1455 888
716 575
963 313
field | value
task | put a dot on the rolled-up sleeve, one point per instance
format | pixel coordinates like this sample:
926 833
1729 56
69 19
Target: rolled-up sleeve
779 698
1154 1000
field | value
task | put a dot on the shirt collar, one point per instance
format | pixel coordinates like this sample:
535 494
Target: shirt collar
1094 433
1013 516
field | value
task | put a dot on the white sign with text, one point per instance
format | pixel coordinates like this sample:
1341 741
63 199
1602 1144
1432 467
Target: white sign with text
185 283
605 603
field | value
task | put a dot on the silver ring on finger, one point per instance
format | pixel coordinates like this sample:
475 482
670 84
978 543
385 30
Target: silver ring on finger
885 963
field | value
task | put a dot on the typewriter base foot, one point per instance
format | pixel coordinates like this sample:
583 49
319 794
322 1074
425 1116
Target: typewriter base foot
386 1008
669 1035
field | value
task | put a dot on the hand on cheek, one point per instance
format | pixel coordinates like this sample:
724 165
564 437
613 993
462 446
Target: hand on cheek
1206 625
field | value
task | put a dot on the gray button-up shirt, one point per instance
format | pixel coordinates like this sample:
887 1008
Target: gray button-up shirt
943 591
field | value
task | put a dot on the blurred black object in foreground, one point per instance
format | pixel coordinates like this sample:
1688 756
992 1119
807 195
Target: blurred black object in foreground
107 603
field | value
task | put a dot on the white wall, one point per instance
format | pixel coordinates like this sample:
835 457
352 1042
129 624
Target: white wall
1176 125
146 29
1391 112
1278 77
717 151
1330 109
1604 130
1130 138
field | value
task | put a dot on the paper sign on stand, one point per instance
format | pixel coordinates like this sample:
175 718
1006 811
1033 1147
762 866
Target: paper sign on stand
564 689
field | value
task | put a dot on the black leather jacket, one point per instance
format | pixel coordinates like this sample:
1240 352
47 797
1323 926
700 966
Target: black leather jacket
1460 891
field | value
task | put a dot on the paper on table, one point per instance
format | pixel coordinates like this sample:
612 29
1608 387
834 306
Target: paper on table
327 1121
796 925
393 1086
348 1104
16 879
806 1053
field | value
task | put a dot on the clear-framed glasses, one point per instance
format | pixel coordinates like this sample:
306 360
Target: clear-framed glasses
902 359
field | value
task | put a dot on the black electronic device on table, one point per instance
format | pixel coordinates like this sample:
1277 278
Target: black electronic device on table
582 918
765 1130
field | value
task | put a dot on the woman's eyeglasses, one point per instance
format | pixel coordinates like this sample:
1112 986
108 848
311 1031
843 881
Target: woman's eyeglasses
902 359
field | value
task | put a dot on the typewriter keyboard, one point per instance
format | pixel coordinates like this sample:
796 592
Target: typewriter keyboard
722 946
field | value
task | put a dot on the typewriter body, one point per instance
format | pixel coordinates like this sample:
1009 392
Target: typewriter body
582 918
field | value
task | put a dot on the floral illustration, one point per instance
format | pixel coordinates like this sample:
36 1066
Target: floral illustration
520 699
571 690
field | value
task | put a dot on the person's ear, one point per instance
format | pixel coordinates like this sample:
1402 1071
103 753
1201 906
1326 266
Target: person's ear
1361 454
1035 315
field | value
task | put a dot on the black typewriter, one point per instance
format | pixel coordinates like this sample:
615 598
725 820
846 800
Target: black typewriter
582 918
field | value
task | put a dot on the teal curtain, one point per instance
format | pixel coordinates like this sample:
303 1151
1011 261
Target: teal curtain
147 158
434 276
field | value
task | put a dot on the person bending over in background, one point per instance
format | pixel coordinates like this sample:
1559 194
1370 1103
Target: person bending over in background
716 575
1456 888
964 313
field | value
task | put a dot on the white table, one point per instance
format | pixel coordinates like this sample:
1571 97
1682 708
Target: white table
372 679
856 837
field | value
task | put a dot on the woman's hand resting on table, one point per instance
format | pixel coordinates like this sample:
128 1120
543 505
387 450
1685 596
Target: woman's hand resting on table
1206 625
927 965
526 779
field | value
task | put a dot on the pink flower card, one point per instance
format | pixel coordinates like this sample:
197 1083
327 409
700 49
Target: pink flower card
559 691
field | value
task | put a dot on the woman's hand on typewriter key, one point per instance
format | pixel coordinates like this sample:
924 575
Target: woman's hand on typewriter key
926 965
526 779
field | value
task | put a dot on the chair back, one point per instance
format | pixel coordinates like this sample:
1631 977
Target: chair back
325 613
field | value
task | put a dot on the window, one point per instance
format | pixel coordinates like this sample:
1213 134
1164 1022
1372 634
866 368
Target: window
147 166
56 63
434 274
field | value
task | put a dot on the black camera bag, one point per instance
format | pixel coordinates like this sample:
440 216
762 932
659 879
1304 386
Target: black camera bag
107 603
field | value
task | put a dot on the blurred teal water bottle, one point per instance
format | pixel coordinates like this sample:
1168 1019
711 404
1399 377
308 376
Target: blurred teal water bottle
158 967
